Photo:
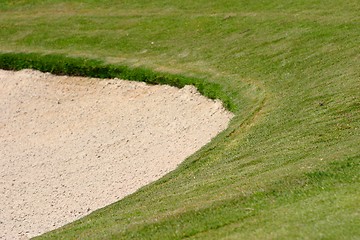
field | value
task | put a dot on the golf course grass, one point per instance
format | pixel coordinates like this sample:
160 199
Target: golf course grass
288 165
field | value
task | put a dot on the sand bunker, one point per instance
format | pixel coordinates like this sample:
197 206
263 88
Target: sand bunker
70 145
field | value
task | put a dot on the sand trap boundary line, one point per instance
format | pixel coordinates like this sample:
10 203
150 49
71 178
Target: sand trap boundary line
71 145
62 65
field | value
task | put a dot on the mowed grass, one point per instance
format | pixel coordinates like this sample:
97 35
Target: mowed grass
288 165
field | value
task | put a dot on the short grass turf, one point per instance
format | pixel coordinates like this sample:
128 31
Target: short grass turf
288 165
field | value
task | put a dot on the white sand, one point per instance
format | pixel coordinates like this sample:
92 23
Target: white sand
70 145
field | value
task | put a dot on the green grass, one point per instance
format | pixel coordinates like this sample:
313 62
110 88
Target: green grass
287 166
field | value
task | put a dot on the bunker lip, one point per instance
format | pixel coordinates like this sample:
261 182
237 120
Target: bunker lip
71 145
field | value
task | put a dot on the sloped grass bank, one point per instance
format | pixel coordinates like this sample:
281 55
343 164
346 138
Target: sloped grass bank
322 195
62 65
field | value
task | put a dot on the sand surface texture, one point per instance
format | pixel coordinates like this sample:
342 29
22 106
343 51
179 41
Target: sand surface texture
71 145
